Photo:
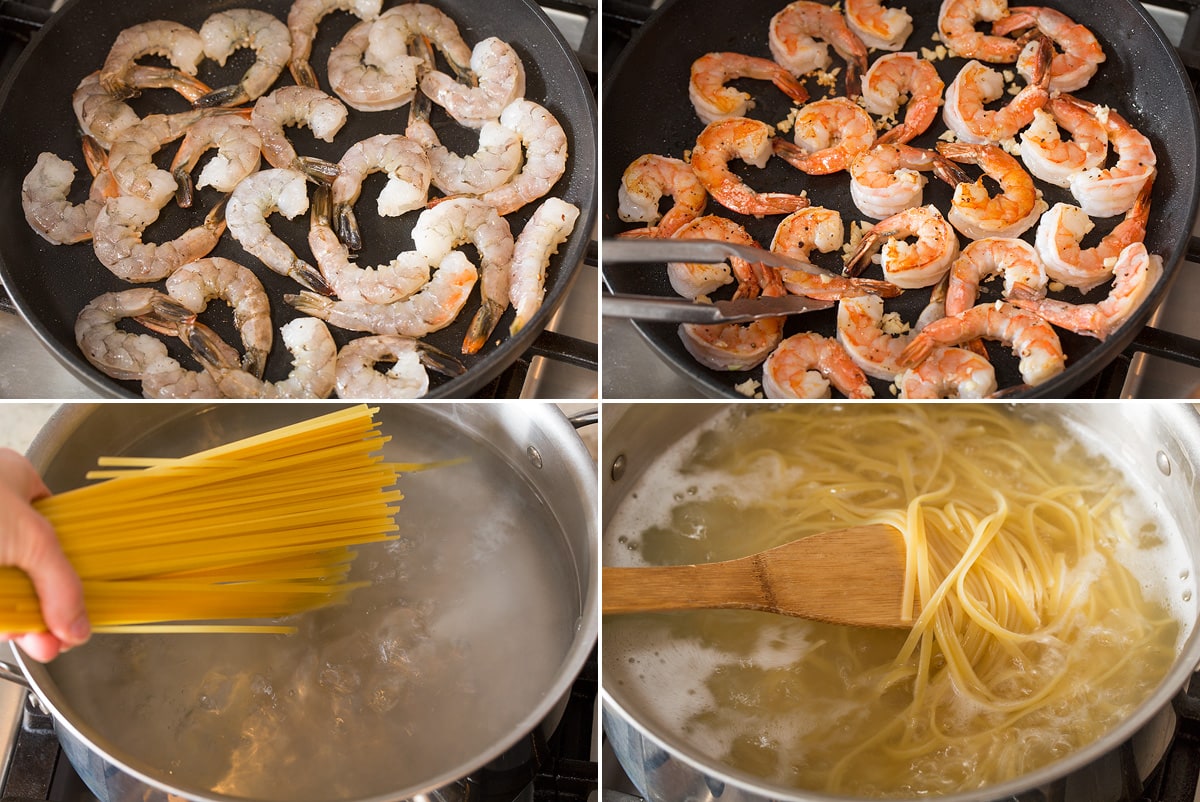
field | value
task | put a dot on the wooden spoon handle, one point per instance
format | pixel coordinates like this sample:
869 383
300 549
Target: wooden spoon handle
708 586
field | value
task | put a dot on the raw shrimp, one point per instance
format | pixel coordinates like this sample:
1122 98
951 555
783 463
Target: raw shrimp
545 145
1048 157
695 280
357 376
1081 54
313 373
643 185
195 284
828 135
501 77
180 44
875 340
750 141
886 179
365 84
238 146
1015 259
977 85
878 26
227 31
549 226
426 26
804 365
267 191
948 373
408 172
921 264
397 279
302 21
494 164
433 308
117 239
978 215
796 38
1107 192
457 221
44 196
1060 234
713 100
899 78
116 353
956 24
818 228
131 159
1135 275
1032 340
105 116
298 105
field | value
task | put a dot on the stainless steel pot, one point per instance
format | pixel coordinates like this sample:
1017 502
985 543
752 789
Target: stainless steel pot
1156 444
544 463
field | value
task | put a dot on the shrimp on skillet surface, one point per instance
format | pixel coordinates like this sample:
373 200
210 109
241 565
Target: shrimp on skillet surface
302 21
895 77
1110 191
490 167
804 365
408 171
921 264
297 105
313 373
821 229
44 192
239 151
357 377
501 80
877 25
181 45
1081 54
974 211
644 183
1016 260
115 352
828 135
117 240
750 141
976 85
696 280
104 115
876 339
713 100
886 179
957 21
226 31
798 35
948 373
549 226
1051 158
369 84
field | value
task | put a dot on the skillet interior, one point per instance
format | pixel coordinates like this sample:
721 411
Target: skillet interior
50 284
1142 78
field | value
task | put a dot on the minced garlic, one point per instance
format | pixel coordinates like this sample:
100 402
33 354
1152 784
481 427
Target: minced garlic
749 388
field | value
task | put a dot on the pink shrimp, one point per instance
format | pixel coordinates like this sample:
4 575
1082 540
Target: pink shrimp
714 100
804 365
750 141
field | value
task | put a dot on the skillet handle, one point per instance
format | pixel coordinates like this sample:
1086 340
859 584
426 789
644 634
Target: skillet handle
11 673
1175 347
20 20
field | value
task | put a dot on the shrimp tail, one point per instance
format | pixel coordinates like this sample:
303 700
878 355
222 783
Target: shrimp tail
949 172
185 190
482 326
791 87
347 226
318 171
166 316
302 73
917 351
437 359
857 262
225 96
306 275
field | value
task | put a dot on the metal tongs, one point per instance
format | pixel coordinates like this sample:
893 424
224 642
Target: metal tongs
678 310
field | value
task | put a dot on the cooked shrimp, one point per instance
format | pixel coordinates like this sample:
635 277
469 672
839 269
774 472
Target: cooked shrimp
899 78
804 365
978 215
195 284
977 85
828 135
750 141
798 34
875 340
732 346
921 264
695 280
956 24
117 239
313 373
1053 160
408 172
238 146
948 373
1108 192
45 190
645 181
878 26
1135 275
501 77
297 105
180 44
817 228
548 227
886 179
116 353
496 161
1061 232
1014 259
397 279
1032 340
267 191
370 85
545 145
357 376
302 22
713 100
227 31
433 308
446 226
1081 54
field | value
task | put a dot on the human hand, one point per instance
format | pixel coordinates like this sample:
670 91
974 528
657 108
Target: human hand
28 542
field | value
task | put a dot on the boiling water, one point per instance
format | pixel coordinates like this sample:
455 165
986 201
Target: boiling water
469 617
787 701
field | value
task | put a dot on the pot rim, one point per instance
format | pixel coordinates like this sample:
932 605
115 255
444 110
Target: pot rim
1186 662
556 427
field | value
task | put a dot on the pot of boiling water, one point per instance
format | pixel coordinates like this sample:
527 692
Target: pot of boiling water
666 742
475 624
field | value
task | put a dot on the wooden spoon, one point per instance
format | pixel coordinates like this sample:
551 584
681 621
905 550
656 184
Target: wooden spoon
849 576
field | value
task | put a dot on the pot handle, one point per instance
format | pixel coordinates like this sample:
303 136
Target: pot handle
12 673
588 417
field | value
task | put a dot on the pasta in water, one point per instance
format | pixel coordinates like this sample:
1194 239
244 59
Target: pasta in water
1032 635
